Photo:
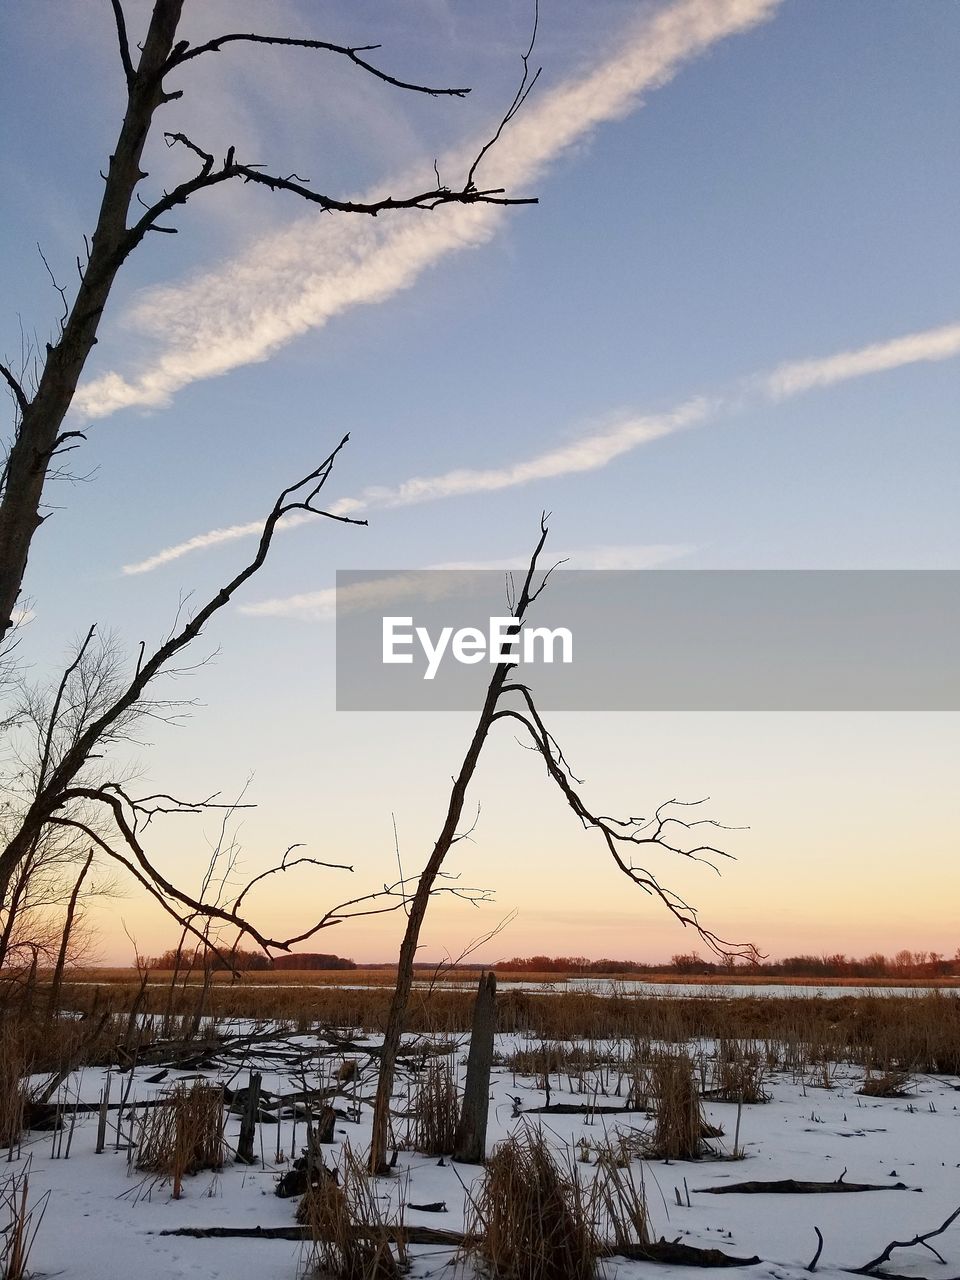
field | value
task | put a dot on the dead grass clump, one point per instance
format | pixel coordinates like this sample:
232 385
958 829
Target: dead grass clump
531 1219
350 1233
432 1126
620 1201
886 1084
680 1130
738 1075
543 1060
13 1097
19 1223
635 1073
183 1135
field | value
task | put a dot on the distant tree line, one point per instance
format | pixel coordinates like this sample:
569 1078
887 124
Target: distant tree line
312 960
904 964
244 961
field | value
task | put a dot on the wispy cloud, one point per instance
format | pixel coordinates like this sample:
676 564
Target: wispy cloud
596 449
428 584
914 348
300 279
588 453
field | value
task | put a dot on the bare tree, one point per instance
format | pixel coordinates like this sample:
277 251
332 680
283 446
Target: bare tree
72 790
57 980
33 917
623 838
124 220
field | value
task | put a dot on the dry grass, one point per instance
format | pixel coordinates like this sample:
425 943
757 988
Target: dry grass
680 1130
887 1084
13 1068
536 1217
183 1136
19 1223
621 1202
432 1126
738 1074
909 1033
350 1232
532 1218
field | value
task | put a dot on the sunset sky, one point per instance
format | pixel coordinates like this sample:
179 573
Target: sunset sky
727 337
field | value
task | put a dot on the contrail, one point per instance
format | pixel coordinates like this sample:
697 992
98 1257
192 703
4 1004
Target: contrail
597 449
802 375
423 584
292 282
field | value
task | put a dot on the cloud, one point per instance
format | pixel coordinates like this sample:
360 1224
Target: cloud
289 283
802 375
429 584
596 449
588 453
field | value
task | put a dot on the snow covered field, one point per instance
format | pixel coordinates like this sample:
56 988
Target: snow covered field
103 1218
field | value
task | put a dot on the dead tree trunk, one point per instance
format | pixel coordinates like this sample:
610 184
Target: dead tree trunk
425 885
411 937
65 939
667 831
248 1121
38 436
470 1143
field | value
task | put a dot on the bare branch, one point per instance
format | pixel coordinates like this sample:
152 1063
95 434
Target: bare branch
391 897
284 865
184 54
18 392
123 42
450 962
49 796
871 1267
211 175
144 881
59 289
619 835
58 700
526 84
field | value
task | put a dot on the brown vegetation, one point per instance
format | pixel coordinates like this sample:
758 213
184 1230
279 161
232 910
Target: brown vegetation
185 1136
912 1033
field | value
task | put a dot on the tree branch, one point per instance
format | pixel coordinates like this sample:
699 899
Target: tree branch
526 84
140 866
183 53
123 42
871 1267
211 175
618 833
49 794
18 392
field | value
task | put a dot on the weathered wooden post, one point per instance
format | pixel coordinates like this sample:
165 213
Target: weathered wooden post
102 1118
470 1141
248 1119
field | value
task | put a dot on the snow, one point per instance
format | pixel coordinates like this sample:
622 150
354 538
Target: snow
103 1218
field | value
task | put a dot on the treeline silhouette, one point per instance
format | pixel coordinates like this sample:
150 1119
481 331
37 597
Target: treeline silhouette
904 964
244 961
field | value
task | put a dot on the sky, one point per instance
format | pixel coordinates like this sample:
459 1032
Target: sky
726 337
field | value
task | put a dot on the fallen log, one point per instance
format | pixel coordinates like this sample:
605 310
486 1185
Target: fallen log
793 1187
581 1109
409 1234
665 1251
671 1251
872 1268
44 1115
